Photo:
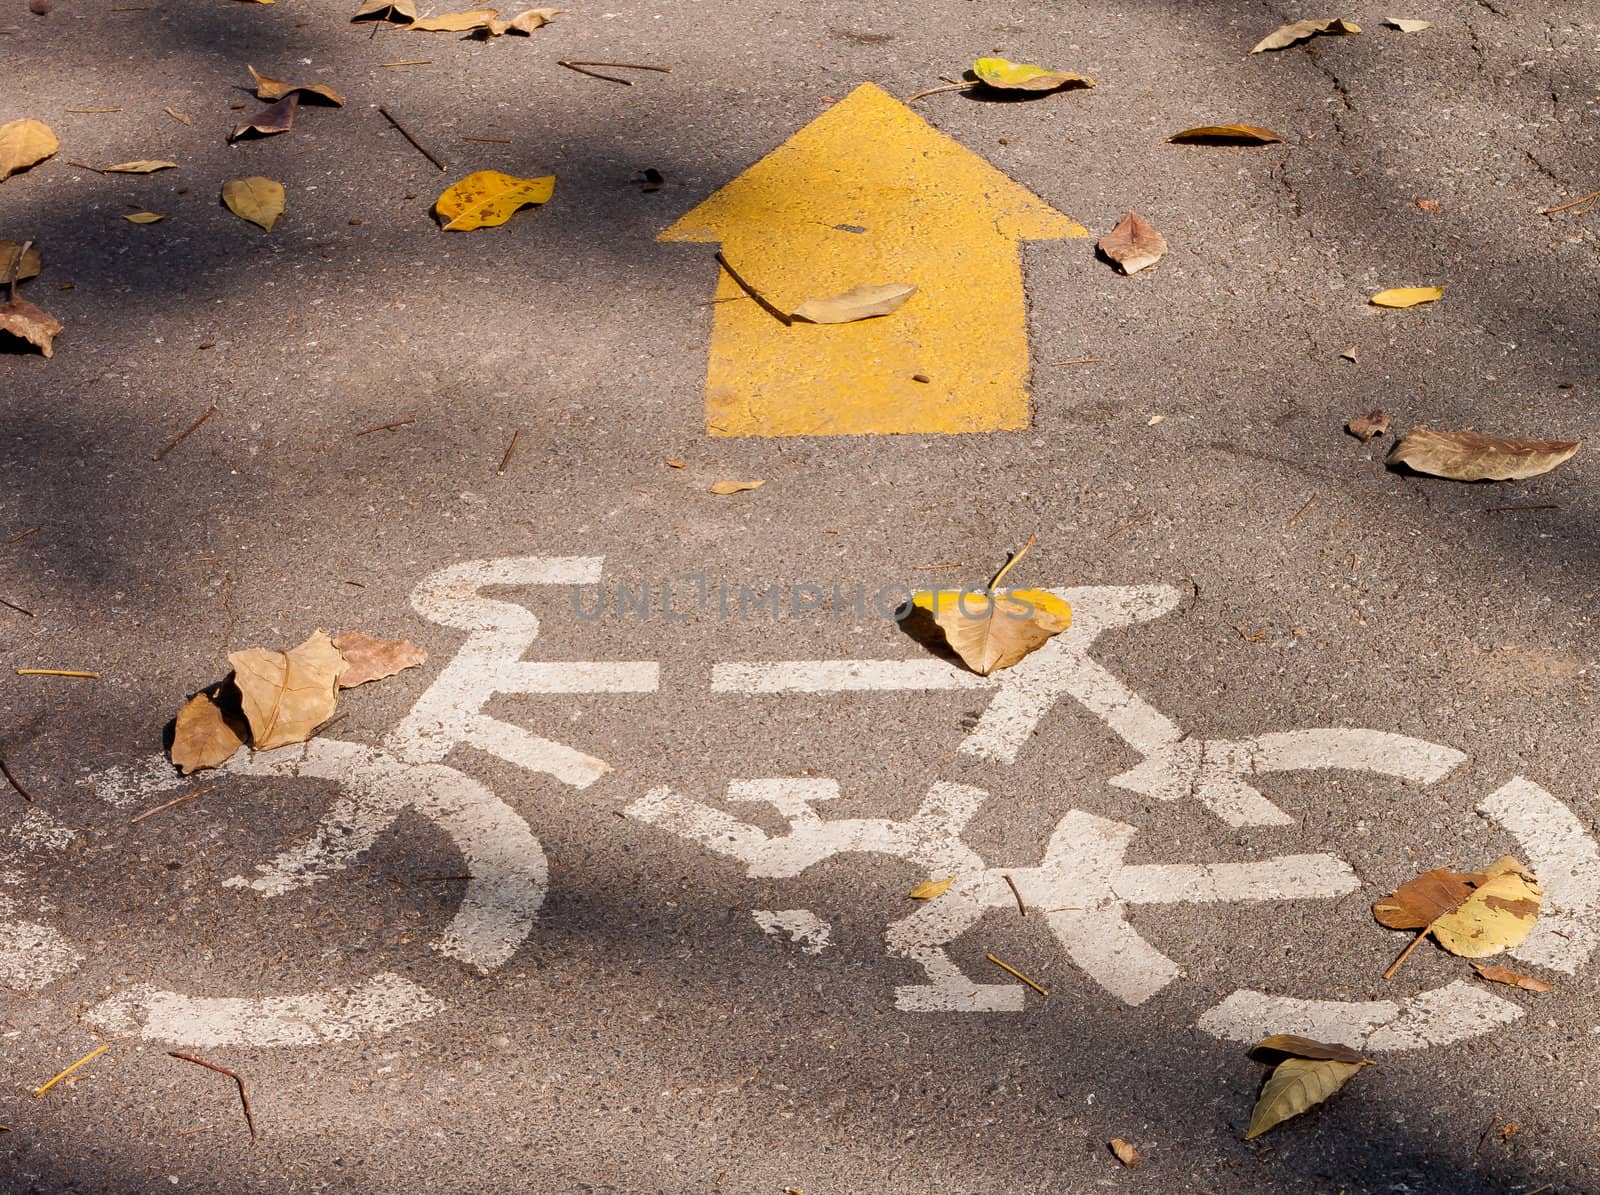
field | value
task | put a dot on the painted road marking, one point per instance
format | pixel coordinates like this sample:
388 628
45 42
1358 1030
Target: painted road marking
32 955
802 927
381 1005
379 784
869 192
1082 887
1175 767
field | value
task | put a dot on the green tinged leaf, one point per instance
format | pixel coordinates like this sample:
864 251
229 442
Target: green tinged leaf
1296 1086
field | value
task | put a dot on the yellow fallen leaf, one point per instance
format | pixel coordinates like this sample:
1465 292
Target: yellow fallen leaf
1472 456
24 143
523 23
1024 76
287 695
1407 26
995 628
1288 35
734 487
929 889
256 199
863 302
1407 296
274 89
455 22
1126 1154
210 728
1227 134
488 198
1298 1085
144 217
1499 915
140 167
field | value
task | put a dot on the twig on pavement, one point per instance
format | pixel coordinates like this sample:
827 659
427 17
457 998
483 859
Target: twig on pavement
417 145
244 1096
186 433
38 1092
14 782
199 792
1008 967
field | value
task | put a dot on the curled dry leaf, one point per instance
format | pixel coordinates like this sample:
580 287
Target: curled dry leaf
1298 1085
1407 26
1369 426
144 217
487 199
1287 35
142 166
24 143
455 22
1023 76
1126 1154
256 199
1134 244
1429 205
275 118
523 23
863 302
734 487
374 659
1227 134
929 889
32 261
386 10
994 628
1497 974
1407 296
287 695
210 728
274 89
1470 456
21 318
1273 1050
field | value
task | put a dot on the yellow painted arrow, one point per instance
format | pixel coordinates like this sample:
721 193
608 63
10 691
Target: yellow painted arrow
870 193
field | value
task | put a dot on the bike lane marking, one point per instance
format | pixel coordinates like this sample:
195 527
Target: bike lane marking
32 955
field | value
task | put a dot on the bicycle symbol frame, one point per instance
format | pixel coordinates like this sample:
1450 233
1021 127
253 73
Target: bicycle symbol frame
1082 884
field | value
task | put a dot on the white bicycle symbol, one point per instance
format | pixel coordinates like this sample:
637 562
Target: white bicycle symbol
1081 886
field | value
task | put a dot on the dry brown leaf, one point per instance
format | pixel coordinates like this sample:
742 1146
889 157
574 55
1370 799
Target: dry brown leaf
676 464
1275 1049
1227 134
1134 244
180 117
1369 426
455 22
929 889
1429 205
373 659
275 118
1287 35
1296 1086
863 302
32 261
1407 26
1351 356
1470 456
287 695
210 728
143 166
274 89
523 23
21 318
256 199
144 217
24 143
1126 1154
1498 974
387 10
734 487
1418 903
994 628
